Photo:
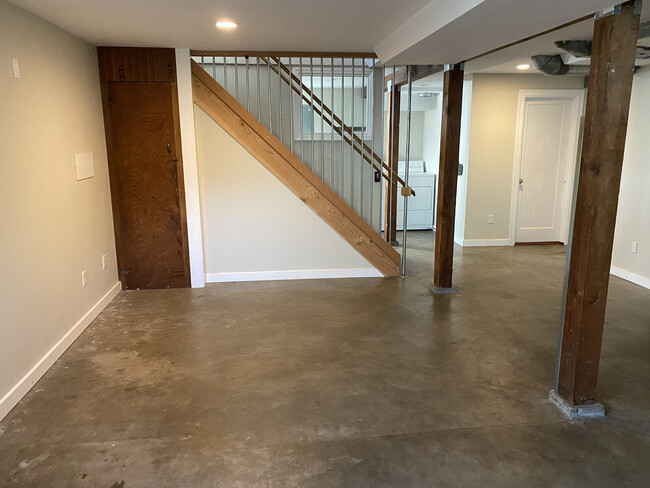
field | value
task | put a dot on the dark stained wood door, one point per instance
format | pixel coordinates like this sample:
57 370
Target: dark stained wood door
145 183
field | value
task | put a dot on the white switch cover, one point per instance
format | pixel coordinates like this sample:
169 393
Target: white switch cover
15 68
491 219
635 247
84 278
103 261
83 165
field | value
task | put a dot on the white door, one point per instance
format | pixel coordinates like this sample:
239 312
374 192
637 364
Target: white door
548 134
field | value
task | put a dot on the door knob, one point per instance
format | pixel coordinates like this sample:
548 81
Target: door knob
521 182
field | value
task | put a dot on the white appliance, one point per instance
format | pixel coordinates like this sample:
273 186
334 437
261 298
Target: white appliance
421 207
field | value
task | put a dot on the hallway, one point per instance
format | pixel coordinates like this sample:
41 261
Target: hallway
339 383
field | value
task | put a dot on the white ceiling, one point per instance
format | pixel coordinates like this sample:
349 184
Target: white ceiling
407 31
269 25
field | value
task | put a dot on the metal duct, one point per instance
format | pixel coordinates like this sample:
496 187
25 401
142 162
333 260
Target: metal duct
554 66
579 49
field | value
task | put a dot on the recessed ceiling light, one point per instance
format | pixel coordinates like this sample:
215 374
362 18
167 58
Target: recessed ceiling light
523 67
226 24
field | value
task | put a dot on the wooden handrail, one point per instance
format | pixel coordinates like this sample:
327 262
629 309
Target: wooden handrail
307 95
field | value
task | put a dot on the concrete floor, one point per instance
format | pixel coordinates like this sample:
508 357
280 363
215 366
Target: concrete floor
339 383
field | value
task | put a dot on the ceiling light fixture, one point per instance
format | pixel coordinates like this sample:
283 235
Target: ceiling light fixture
226 24
522 67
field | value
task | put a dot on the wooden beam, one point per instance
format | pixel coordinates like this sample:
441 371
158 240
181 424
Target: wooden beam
392 156
285 54
448 177
215 101
608 101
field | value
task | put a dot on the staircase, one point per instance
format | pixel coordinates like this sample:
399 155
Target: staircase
334 170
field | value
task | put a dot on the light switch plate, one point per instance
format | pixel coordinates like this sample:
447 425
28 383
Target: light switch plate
83 165
15 68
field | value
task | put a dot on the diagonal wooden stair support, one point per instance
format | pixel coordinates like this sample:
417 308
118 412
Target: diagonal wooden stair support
214 100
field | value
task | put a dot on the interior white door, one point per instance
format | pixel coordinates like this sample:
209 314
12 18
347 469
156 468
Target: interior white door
547 157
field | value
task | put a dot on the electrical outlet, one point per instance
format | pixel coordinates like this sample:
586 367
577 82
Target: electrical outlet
491 219
635 247
103 261
84 278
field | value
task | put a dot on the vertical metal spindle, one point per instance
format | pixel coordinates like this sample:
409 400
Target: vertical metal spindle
342 128
332 124
268 83
363 134
372 142
202 62
312 122
279 65
406 171
354 62
225 73
259 96
291 103
383 148
322 115
214 68
391 164
302 114
248 94
236 80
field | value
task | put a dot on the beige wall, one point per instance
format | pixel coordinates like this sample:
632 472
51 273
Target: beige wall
492 145
633 220
256 228
53 227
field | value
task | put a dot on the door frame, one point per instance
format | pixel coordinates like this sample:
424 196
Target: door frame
578 98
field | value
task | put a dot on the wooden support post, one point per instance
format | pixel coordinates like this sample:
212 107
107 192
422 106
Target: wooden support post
448 177
608 100
392 155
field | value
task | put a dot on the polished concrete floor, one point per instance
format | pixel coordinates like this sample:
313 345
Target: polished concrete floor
339 383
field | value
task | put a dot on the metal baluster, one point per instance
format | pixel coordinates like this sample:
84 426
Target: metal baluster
279 63
248 94
406 172
302 123
259 96
225 73
352 140
268 82
342 128
382 184
312 123
363 135
372 143
332 124
391 164
291 103
214 68
236 80
322 115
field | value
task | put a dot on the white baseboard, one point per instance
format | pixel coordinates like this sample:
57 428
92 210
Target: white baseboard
486 242
307 274
631 277
21 388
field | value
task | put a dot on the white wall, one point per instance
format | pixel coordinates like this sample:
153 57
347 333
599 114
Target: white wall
430 134
254 227
490 165
53 227
633 219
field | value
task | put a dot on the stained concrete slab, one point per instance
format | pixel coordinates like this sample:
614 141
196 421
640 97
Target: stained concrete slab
339 383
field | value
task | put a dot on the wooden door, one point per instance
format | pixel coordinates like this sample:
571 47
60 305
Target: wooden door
546 164
145 184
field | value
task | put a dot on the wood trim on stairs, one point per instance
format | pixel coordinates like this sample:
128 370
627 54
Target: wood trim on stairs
284 165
